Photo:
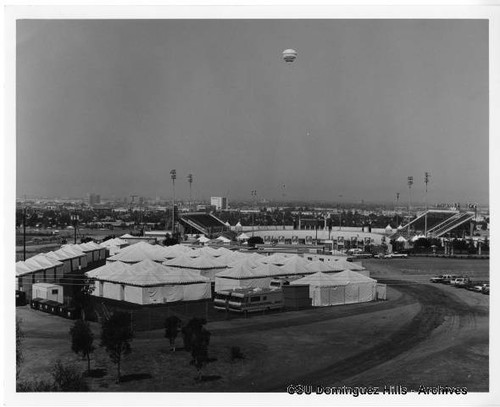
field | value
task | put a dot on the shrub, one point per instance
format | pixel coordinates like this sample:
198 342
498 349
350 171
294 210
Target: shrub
236 353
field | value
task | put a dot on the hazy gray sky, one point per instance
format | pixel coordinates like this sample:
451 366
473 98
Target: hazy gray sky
112 106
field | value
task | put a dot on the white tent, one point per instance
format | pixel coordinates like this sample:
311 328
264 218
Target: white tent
138 252
318 265
148 282
295 266
278 259
268 270
203 239
359 288
322 289
113 246
53 269
243 236
223 239
347 287
240 276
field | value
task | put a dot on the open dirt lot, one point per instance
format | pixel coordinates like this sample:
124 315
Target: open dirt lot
425 334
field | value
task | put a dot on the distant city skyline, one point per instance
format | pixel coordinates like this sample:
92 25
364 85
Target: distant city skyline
111 106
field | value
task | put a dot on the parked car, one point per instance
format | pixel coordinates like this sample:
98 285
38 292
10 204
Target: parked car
486 289
477 287
437 279
396 255
462 282
448 278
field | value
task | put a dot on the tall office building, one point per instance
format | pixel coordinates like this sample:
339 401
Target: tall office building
220 203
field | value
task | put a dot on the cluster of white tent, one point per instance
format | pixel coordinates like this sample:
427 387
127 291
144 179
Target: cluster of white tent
183 273
52 266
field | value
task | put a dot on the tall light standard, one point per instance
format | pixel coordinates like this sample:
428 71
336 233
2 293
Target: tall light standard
396 209
340 214
426 180
254 197
410 183
283 199
173 175
190 180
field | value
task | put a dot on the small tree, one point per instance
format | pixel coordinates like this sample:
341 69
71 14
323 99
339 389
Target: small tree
82 340
172 325
199 349
196 340
82 297
67 378
116 335
255 240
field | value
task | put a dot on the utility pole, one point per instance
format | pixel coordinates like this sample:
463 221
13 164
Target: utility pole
75 221
173 175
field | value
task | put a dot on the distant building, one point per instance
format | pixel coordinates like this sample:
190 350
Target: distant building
94 199
220 203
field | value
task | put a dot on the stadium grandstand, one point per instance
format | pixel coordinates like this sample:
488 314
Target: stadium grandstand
206 224
435 223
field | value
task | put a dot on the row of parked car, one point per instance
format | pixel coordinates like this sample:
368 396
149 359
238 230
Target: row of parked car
462 282
54 307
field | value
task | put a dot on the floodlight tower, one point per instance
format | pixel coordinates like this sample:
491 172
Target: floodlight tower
254 197
396 209
173 175
410 183
426 180
283 200
190 180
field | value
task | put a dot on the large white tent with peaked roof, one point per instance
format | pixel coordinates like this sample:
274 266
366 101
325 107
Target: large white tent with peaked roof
240 276
148 282
346 287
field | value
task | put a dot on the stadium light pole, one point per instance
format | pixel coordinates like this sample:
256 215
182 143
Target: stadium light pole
190 180
426 180
173 175
283 200
254 195
410 183
396 209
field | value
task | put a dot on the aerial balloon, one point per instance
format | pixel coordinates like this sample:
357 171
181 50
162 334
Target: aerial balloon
289 55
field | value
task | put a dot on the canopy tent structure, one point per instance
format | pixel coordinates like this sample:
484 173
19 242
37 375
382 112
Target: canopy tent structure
323 291
113 245
278 259
148 282
223 239
138 252
93 251
318 265
347 287
268 270
242 237
204 264
203 239
53 269
296 266
240 276
27 274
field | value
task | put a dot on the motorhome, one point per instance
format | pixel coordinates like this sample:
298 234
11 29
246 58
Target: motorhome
246 300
